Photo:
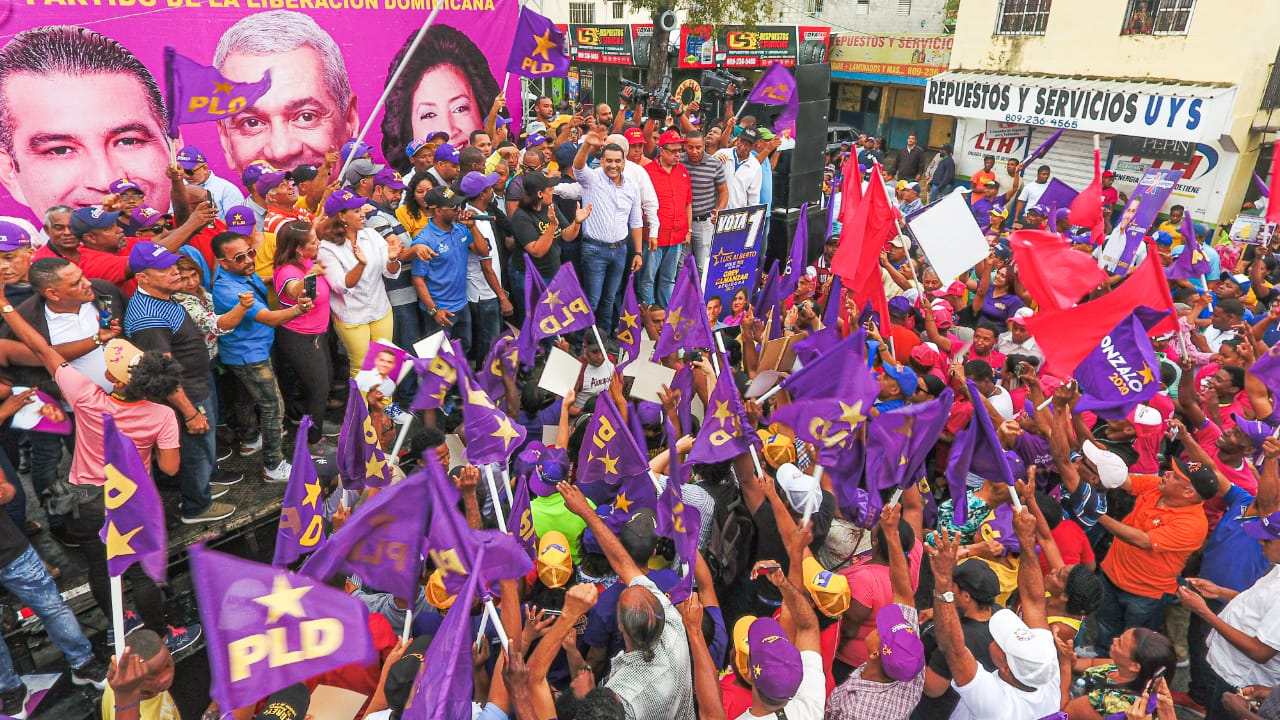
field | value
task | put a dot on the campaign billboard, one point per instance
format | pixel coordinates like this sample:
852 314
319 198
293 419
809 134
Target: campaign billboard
82 87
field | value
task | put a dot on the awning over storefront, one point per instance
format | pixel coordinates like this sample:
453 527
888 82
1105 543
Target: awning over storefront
1170 111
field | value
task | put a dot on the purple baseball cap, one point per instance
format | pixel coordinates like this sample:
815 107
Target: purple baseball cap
650 413
386 177
124 185
13 236
474 183
901 651
151 256
775 663
240 219
527 459
191 158
359 150
1265 528
254 170
344 199
270 180
535 139
145 217
447 153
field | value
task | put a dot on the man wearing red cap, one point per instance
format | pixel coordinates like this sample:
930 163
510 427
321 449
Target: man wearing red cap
675 219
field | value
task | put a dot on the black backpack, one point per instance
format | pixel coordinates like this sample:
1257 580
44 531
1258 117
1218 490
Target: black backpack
733 534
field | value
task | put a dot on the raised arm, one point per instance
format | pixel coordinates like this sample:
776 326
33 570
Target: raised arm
617 555
1030 577
946 620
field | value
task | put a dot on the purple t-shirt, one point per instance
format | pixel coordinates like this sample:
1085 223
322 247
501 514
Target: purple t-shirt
999 308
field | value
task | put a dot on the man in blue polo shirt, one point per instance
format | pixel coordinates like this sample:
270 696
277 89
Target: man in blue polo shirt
442 282
246 350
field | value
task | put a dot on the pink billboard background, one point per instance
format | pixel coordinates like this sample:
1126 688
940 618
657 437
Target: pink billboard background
74 115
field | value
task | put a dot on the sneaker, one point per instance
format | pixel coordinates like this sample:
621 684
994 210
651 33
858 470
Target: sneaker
14 703
277 474
1184 701
217 492
132 622
181 638
247 449
225 477
397 415
92 673
223 456
216 511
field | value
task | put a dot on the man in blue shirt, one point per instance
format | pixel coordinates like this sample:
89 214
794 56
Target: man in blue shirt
246 350
442 283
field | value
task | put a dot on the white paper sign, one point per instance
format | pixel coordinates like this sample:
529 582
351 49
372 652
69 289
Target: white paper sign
950 237
650 377
456 450
428 347
561 372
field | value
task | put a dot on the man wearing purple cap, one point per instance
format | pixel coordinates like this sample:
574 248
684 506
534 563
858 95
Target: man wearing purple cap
445 169
280 192
196 166
15 261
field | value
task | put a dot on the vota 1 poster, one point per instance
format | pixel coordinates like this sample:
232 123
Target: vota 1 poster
733 265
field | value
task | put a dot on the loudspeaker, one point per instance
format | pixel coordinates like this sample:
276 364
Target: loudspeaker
793 189
798 177
782 229
813 82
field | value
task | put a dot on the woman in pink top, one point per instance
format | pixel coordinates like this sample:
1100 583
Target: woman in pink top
871 589
304 341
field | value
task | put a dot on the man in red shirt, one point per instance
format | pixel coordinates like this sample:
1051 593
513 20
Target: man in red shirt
281 195
104 250
675 218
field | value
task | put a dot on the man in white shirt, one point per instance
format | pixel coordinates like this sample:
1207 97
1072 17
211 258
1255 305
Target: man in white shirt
746 176
1017 339
1031 192
488 300
1027 683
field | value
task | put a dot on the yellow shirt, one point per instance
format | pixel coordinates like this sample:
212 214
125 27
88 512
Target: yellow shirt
1175 232
160 707
412 226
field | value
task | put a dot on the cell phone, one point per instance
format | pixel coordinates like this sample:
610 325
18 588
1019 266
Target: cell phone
1151 684
309 286
106 308
765 570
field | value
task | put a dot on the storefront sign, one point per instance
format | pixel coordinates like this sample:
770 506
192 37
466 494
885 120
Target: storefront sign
607 44
890 58
1148 110
1202 187
1176 150
702 47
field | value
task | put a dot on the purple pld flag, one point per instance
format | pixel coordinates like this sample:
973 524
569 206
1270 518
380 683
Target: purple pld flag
835 298
301 528
610 453
361 462
845 470
678 521
1040 151
134 530
898 442
681 388
1120 373
445 693
778 87
538 48
976 449
1192 262
816 345
267 629
830 423
1267 368
520 521
563 306
456 549
686 326
630 329
502 357
490 435
380 542
789 276
534 286
1057 195
843 364
724 434
198 93
435 376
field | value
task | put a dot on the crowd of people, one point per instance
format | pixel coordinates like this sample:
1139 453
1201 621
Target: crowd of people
1084 560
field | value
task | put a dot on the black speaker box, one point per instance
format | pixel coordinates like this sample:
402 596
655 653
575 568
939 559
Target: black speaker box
793 189
813 81
782 229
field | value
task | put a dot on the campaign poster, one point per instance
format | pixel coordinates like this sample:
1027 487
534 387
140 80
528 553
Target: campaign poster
734 262
82 86
1144 206
1251 230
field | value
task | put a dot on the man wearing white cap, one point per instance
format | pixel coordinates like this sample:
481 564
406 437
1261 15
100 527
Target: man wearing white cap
1017 339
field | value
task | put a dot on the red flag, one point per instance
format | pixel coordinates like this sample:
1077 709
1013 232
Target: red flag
850 189
864 236
1086 209
1056 275
872 291
1068 336
1273 209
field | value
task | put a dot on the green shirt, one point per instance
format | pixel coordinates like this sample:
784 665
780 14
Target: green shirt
549 513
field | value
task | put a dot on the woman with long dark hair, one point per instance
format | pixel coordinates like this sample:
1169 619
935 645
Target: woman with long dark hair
1112 685
304 341
446 86
413 213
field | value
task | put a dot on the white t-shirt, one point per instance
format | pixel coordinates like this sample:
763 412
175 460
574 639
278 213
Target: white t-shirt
1108 256
745 178
1253 612
1002 401
68 327
477 287
594 381
810 699
1031 193
987 697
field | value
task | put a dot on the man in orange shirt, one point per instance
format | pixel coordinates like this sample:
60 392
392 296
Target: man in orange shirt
978 180
1167 524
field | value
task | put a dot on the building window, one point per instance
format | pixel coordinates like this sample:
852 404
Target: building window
1023 17
904 7
619 10
1158 17
582 13
813 7
863 7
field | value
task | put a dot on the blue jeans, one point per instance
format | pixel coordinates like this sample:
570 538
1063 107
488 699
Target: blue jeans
407 320
261 392
666 265
605 267
486 325
460 330
1121 610
198 456
515 289
27 579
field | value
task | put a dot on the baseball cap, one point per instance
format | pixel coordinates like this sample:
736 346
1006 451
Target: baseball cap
435 592
124 185
899 306
388 178
303 173
1112 471
147 255
640 529
671 137
352 149
741 654
955 288
901 650
145 216
978 579
413 147
802 490
925 355
535 182
1257 430
1032 656
1108 174
634 136
443 197
535 139
344 199
776 668
1266 527
359 170
240 219
13 236
830 591
1020 316
121 355
91 218
766 134
191 158
913 185
402 675
537 126
270 180
440 135
942 316
254 170
1002 250
474 183
750 134
290 703
906 377
1201 477
777 449
566 153
1038 209
555 564
446 153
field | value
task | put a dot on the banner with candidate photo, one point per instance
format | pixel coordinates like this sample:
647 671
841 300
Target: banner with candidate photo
1144 206
83 88
734 264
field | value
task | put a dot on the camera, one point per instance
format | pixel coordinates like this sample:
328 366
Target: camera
721 83
632 92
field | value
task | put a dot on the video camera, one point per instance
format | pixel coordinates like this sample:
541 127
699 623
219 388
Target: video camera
665 104
632 92
722 83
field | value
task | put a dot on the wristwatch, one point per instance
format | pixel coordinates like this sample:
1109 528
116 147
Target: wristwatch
946 597
6 309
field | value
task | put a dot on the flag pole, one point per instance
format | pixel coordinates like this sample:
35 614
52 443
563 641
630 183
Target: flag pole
893 499
506 485
391 83
400 438
493 496
492 613
117 614
408 622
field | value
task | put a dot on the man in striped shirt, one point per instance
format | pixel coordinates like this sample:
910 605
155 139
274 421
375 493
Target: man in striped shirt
710 187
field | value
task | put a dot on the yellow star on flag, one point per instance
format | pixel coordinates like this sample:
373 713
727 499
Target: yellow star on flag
374 465
505 431
552 299
284 599
722 412
1147 376
313 493
629 319
674 319
621 502
852 414
545 43
223 87
610 463
118 544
